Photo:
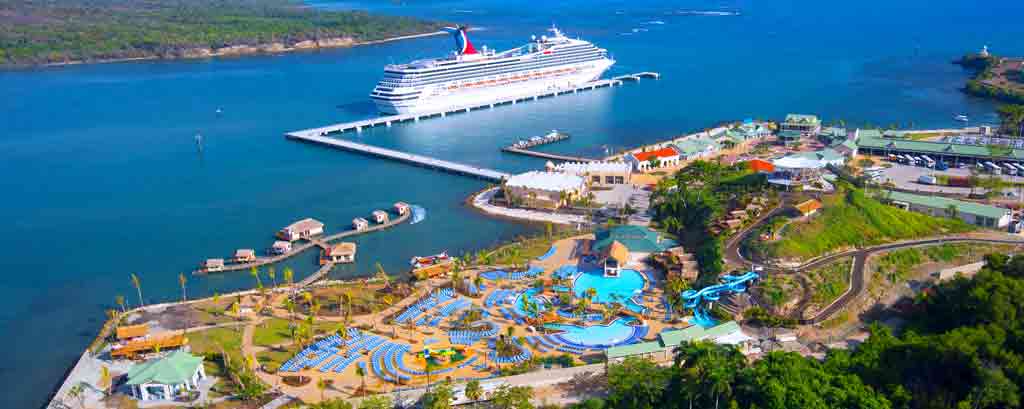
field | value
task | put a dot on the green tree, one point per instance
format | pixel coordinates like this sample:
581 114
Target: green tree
440 397
182 281
376 402
474 391
507 397
637 383
138 288
1012 118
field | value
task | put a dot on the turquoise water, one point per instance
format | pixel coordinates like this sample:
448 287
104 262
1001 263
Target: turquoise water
611 289
596 335
530 295
103 177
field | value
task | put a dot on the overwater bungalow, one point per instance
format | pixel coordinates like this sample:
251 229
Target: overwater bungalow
360 223
244 255
281 247
344 252
213 264
302 229
380 216
402 208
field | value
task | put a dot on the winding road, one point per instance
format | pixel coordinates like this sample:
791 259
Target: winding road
858 278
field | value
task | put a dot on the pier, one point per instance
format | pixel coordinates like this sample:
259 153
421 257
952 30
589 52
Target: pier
321 242
545 155
389 120
410 158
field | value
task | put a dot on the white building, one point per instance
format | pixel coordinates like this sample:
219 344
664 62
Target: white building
544 189
302 229
598 173
164 378
656 159
281 247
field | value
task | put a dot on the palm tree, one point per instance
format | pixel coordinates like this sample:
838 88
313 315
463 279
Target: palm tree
138 288
105 379
182 280
478 281
120 301
321 384
361 373
591 293
382 275
255 273
474 391
952 212
289 276
272 273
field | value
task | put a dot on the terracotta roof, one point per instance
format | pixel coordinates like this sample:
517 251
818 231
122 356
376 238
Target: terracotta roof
132 331
808 206
759 165
619 252
666 152
343 248
305 225
134 347
245 253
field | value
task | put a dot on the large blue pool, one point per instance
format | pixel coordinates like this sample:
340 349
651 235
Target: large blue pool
618 332
610 289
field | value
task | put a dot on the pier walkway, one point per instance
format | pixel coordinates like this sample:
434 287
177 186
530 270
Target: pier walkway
322 242
411 158
388 120
545 155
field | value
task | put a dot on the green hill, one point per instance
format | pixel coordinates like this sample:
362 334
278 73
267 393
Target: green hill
36 32
850 218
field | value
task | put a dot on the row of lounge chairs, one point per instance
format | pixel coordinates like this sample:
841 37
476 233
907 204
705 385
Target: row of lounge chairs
531 272
548 342
417 309
472 288
523 355
512 315
468 337
498 297
447 310
383 362
313 355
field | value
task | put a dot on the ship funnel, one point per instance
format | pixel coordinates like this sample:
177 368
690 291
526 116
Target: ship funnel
462 44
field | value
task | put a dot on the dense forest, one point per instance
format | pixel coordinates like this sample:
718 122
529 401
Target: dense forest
36 32
963 347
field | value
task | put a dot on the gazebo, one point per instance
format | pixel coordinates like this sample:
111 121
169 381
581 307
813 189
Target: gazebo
163 378
618 256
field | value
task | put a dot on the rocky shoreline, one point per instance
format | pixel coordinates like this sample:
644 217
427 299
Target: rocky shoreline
245 50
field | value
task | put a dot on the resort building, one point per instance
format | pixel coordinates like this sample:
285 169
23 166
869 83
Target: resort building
971 213
281 247
344 252
213 264
627 246
697 148
746 132
138 346
955 151
808 125
360 223
678 263
402 208
644 161
661 350
167 377
598 173
808 207
544 189
380 216
804 169
302 229
244 255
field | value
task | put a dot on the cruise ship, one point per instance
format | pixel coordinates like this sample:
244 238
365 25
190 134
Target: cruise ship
468 77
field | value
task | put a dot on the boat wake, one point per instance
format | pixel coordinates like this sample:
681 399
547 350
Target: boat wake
418 214
706 13
655 23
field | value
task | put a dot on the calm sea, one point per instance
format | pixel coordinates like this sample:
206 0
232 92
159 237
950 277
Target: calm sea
103 177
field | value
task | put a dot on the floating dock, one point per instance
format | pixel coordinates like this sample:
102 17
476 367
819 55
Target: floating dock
545 155
552 137
411 158
388 120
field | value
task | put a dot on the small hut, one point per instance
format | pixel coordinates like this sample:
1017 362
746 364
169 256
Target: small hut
618 256
130 332
245 255
380 216
281 247
213 264
163 378
360 223
344 252
402 208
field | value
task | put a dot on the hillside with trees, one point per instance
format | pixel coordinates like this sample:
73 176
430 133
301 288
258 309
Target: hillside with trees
36 32
962 349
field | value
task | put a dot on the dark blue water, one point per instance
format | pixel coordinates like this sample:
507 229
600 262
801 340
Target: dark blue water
102 176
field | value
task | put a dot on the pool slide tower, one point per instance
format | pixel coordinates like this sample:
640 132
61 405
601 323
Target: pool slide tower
696 299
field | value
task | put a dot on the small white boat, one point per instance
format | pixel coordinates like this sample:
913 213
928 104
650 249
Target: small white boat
960 117
420 262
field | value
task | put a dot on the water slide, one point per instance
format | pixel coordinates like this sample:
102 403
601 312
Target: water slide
697 299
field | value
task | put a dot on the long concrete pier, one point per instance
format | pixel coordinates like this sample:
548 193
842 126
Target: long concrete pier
545 155
322 242
411 158
388 120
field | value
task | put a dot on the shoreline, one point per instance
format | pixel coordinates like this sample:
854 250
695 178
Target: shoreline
233 51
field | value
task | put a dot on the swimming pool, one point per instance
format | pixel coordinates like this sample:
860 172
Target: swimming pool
618 332
611 289
531 295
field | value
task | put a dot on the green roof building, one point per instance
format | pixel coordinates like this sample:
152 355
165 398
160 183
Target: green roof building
661 349
804 124
874 142
163 378
970 212
695 148
637 239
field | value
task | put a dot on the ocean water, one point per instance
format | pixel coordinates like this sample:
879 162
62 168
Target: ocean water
102 175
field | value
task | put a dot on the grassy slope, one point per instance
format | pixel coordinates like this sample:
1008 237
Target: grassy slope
852 219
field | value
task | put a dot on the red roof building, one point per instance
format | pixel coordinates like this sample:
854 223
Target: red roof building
641 161
761 166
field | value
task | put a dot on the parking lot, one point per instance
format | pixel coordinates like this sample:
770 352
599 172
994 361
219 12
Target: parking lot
906 177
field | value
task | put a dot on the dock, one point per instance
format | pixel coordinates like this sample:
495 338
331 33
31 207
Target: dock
389 120
552 137
321 242
545 155
411 158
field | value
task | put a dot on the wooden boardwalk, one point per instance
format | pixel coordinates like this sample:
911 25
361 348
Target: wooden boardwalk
321 242
411 158
545 155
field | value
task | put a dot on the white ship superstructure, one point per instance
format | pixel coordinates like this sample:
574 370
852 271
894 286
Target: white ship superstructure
469 77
